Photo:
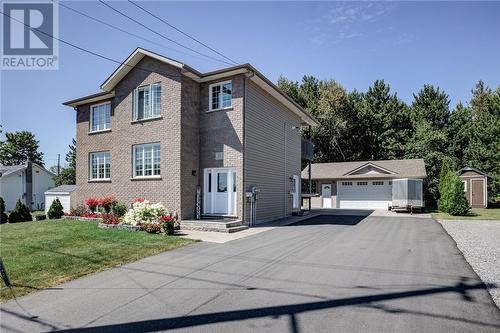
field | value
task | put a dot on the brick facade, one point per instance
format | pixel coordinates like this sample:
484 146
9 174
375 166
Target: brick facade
189 134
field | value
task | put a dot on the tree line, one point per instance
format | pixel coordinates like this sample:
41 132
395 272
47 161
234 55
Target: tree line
378 125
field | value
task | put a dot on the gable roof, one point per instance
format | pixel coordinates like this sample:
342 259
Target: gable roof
6 170
252 73
411 168
463 170
372 166
62 189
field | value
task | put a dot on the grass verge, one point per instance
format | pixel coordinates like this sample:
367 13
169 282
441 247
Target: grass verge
474 214
39 255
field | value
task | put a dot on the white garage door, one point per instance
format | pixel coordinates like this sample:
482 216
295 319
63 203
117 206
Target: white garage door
365 194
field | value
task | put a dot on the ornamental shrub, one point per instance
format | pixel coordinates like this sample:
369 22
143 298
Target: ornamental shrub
119 209
458 204
20 213
451 190
144 212
107 203
56 210
3 214
444 187
92 203
168 224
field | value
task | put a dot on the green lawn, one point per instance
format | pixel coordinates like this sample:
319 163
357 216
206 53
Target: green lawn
474 214
42 254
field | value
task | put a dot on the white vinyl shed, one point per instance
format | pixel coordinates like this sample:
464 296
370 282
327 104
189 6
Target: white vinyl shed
65 194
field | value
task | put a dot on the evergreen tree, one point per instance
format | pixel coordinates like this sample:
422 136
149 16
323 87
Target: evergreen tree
67 176
56 210
444 187
457 204
20 213
432 105
3 215
19 148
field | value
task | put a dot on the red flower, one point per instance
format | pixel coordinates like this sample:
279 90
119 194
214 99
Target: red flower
139 200
92 202
167 218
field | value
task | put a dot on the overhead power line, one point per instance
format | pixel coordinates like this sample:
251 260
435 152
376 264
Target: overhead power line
125 31
88 51
180 31
161 35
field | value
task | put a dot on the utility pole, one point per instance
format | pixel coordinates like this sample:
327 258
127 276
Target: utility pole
58 163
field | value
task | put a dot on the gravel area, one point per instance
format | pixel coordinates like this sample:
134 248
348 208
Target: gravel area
479 241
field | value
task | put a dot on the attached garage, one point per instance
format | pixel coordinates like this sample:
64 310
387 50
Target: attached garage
359 185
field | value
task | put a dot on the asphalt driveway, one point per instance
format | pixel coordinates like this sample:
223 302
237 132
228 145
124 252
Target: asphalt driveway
329 274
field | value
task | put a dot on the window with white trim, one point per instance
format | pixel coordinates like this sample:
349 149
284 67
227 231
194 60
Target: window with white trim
465 185
100 115
346 183
362 183
221 95
100 166
146 160
377 182
147 101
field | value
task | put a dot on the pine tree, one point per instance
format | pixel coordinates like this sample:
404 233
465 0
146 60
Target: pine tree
56 210
20 213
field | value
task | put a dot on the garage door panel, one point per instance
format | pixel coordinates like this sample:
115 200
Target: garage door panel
365 196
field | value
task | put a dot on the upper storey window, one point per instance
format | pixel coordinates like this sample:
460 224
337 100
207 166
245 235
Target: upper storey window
221 95
100 117
147 101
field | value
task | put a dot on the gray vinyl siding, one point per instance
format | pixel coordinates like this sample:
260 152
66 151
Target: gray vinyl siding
265 120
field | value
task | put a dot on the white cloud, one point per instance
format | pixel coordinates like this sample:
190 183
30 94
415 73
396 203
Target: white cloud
345 20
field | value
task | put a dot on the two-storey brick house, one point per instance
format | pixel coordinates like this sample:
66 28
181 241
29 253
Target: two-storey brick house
160 129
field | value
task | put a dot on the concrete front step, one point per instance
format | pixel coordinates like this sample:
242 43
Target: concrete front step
219 226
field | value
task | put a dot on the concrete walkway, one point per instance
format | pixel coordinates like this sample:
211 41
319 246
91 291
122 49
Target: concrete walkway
342 273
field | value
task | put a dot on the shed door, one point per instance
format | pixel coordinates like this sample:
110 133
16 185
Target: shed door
477 192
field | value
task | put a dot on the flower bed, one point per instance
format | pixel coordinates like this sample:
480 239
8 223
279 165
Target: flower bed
152 218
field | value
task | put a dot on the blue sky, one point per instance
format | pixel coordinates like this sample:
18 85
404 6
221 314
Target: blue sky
408 44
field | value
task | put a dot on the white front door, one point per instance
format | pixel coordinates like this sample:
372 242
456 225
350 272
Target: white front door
326 194
220 191
295 192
